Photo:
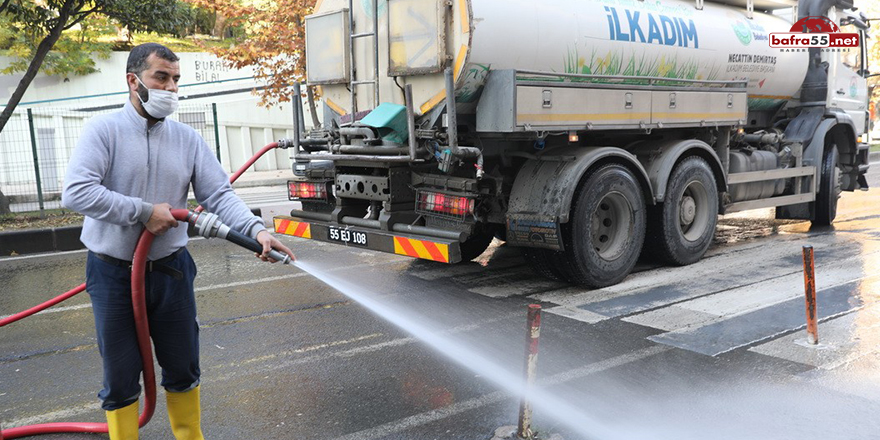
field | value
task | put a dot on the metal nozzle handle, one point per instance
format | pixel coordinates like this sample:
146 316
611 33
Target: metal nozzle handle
209 225
278 256
254 245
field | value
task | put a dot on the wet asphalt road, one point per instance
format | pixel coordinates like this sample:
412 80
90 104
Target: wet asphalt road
712 350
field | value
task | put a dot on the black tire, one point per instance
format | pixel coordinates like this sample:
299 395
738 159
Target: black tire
604 235
825 207
543 261
682 228
477 243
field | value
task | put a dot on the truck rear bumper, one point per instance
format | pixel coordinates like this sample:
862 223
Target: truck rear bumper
411 245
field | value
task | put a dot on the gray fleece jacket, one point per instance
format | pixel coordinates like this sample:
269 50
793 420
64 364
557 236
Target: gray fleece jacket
120 168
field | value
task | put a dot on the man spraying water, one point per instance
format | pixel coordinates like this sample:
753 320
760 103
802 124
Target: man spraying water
128 171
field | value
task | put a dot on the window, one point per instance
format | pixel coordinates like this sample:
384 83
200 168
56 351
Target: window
852 56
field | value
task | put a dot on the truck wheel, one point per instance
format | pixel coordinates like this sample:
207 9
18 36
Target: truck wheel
544 262
825 208
604 236
477 243
682 228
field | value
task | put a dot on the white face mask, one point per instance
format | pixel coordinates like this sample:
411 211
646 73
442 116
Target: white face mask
159 103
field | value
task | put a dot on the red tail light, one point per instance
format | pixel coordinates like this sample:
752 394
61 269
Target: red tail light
297 190
436 203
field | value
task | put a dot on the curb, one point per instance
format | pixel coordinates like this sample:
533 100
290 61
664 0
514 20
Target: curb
40 240
66 238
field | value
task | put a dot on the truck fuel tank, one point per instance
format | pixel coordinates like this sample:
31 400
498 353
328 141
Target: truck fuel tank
758 160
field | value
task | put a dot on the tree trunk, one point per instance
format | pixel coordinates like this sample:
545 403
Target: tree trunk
33 68
219 25
4 204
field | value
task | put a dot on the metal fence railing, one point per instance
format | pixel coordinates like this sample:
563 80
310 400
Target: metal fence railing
36 145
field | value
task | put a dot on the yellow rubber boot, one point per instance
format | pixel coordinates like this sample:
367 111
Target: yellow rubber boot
122 423
184 412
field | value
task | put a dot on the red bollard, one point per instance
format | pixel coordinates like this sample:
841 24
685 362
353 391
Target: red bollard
810 291
533 332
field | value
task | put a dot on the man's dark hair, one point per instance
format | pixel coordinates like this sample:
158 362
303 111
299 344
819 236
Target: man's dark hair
137 58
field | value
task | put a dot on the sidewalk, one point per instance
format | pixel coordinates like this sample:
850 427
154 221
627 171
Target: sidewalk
265 192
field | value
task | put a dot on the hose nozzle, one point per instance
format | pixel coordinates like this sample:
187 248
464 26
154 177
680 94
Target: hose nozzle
208 225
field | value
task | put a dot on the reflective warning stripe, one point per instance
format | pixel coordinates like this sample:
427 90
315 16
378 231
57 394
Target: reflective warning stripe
290 227
431 103
465 19
427 250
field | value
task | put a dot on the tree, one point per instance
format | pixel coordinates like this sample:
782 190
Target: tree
45 22
272 41
73 54
35 28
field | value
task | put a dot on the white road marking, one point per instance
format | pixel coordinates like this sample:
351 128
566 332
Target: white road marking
250 369
708 310
41 255
498 396
671 318
576 314
217 286
348 353
286 353
841 341
250 282
58 309
717 268
54 416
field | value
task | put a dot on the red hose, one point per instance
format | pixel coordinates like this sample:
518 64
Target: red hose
247 165
138 269
45 305
82 287
138 302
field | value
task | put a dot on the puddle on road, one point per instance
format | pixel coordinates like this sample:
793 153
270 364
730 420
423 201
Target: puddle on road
748 225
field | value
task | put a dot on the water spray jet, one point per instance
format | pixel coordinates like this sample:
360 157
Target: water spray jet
541 399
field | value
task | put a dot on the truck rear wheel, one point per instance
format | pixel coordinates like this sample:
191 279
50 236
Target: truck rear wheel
682 228
829 188
604 236
544 262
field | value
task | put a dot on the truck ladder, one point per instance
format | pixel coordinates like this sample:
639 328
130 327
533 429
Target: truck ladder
352 36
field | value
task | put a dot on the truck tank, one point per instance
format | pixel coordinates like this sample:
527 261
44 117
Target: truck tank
669 39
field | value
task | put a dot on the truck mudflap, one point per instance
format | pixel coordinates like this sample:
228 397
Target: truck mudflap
410 245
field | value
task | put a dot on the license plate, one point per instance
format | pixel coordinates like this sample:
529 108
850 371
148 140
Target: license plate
347 236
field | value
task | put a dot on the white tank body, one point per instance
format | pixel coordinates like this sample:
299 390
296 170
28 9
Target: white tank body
668 38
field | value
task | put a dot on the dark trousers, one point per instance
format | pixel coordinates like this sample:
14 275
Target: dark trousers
171 309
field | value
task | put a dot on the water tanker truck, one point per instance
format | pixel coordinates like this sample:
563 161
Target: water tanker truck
582 131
